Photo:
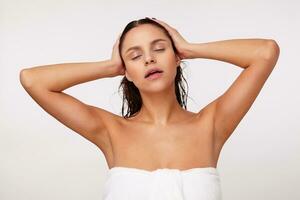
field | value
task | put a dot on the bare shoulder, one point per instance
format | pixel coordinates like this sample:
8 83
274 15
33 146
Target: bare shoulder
110 122
206 119
207 116
208 111
105 115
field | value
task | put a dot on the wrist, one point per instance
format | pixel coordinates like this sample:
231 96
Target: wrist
115 68
106 67
193 50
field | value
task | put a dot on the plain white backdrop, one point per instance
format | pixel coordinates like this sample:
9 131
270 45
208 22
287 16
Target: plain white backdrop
42 159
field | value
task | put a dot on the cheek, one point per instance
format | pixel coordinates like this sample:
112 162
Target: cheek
128 66
172 68
172 64
134 71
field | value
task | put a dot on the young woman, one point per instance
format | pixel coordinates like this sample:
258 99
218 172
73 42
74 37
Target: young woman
158 150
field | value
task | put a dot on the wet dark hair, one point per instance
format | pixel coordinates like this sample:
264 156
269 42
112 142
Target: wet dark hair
131 94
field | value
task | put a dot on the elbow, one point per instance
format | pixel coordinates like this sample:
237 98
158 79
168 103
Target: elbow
25 78
271 50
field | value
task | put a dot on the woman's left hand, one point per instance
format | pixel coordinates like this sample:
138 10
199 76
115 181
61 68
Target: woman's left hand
180 43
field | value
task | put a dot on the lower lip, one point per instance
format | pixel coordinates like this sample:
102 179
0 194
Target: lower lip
154 76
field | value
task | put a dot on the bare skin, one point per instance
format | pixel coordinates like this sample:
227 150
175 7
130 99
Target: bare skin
185 143
162 134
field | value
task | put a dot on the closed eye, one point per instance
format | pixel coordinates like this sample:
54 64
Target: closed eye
154 50
135 57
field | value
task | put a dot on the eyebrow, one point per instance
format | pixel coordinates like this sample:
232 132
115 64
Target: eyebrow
137 47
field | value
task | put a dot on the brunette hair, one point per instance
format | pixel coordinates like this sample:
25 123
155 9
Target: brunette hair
131 94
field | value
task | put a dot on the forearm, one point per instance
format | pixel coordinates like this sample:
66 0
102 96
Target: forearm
58 77
240 52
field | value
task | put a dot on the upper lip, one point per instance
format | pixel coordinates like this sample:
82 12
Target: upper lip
152 70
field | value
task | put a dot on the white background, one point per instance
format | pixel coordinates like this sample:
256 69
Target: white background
42 159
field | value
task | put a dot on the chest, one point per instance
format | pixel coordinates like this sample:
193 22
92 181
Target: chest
185 144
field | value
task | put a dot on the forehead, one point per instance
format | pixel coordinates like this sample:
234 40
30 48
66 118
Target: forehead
142 35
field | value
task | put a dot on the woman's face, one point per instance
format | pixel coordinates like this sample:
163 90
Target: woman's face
142 51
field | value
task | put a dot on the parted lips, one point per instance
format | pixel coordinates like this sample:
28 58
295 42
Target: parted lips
153 70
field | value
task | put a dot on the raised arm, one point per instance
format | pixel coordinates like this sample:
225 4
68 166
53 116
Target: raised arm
257 57
45 84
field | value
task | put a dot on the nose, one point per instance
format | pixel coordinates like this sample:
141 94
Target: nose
149 59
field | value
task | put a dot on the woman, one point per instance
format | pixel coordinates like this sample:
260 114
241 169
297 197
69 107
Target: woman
158 150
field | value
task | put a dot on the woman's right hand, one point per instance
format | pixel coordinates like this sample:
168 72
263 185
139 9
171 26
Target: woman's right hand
116 59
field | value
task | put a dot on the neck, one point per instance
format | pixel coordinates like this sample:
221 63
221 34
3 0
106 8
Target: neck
160 108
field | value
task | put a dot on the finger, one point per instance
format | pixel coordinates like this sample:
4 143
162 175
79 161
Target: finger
163 23
118 38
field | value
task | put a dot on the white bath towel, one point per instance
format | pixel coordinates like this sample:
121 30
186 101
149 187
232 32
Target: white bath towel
124 183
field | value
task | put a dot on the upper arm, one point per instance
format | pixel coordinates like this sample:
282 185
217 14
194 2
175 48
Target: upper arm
88 121
232 106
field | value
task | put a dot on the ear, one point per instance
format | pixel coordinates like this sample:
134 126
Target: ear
127 76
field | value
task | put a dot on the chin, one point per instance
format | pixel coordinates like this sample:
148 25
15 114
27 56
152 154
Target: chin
158 86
